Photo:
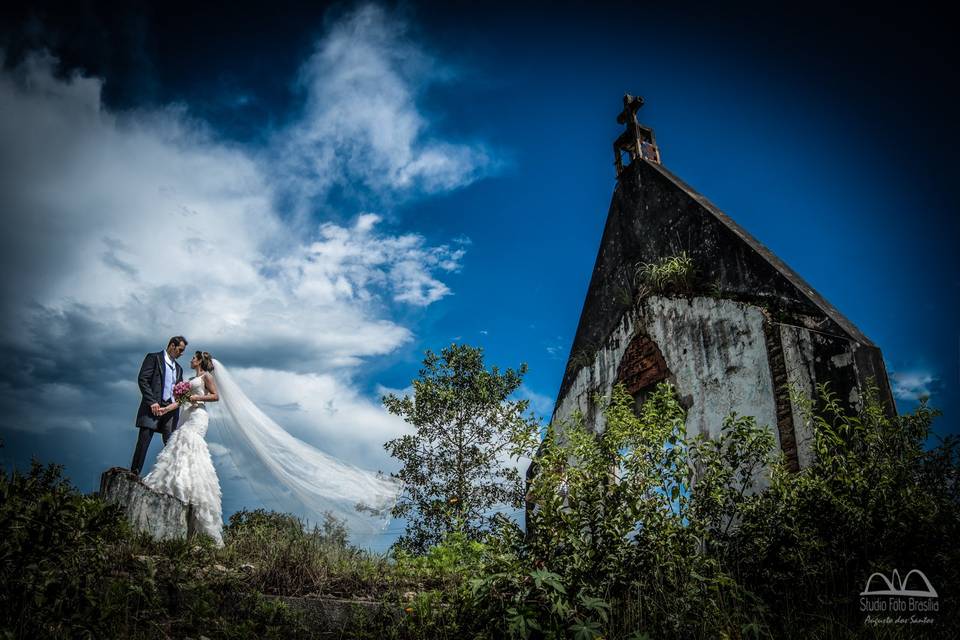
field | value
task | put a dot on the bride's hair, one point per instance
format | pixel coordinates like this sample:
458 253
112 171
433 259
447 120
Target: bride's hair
206 360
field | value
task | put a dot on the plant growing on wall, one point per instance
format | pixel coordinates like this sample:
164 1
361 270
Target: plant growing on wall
671 274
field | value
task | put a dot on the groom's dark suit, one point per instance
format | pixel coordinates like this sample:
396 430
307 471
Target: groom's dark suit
150 380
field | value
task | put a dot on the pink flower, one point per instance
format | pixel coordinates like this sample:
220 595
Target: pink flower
181 392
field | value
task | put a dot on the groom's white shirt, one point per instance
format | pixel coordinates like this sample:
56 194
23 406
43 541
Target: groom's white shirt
169 373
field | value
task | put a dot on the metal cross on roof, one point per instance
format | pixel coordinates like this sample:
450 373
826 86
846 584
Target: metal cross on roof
637 141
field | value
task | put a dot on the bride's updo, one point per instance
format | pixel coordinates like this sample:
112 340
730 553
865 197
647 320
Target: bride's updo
205 359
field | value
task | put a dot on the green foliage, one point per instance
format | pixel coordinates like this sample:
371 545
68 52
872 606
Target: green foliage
465 424
54 543
671 274
73 569
625 540
286 558
613 546
607 489
637 532
727 469
876 498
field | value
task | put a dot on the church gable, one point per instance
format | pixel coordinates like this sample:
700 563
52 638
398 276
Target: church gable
741 329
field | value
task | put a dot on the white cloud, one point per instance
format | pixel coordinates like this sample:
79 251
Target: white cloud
217 450
912 385
344 264
361 125
555 349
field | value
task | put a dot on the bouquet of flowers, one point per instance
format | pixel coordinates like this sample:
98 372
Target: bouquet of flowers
181 393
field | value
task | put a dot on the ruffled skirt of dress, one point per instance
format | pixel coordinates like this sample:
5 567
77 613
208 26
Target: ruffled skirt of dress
184 469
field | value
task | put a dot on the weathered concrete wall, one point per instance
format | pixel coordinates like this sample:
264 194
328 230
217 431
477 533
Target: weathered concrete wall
598 377
716 351
846 366
162 516
798 351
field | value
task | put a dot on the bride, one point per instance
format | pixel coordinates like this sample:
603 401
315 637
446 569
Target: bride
321 483
184 468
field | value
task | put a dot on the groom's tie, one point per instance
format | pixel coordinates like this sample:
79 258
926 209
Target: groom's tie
173 374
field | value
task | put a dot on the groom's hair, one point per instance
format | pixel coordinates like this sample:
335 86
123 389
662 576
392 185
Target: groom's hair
176 340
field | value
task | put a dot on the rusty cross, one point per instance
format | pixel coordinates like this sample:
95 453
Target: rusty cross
631 104
631 141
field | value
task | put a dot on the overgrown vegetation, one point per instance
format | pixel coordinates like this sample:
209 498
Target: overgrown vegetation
72 569
625 542
617 547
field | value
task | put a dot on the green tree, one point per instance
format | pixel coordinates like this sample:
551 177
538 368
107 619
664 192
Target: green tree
455 468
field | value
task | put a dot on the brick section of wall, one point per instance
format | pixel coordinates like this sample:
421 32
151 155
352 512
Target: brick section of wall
642 365
781 394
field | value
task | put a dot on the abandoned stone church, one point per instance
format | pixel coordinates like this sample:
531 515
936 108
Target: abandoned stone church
735 335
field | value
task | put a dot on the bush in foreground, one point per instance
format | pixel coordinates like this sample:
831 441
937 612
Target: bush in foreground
624 542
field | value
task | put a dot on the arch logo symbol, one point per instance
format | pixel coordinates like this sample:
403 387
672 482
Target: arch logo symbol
915 584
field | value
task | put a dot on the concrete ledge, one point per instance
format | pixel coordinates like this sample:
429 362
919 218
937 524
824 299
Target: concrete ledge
337 613
161 515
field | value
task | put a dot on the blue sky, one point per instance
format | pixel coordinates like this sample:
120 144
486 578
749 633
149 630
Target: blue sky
317 196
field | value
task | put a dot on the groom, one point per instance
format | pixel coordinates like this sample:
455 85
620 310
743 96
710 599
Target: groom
158 373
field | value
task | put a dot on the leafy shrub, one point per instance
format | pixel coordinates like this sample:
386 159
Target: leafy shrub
625 540
613 543
54 543
875 499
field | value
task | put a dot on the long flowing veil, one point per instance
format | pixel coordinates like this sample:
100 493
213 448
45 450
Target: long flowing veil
320 482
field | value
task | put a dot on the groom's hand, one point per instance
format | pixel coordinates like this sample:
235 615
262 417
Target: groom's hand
155 408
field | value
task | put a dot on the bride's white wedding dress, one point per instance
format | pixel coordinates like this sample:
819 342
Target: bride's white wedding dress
184 467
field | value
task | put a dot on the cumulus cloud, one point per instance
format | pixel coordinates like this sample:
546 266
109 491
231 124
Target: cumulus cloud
346 263
361 126
912 385
123 228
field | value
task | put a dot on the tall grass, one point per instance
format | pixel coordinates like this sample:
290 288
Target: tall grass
670 274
